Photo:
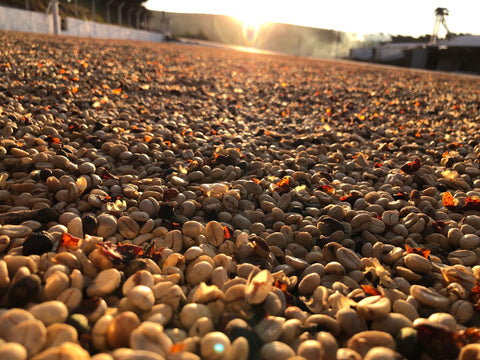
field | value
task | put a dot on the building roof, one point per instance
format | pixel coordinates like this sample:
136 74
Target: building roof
462 41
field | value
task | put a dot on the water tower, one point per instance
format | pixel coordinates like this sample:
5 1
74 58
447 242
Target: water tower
440 14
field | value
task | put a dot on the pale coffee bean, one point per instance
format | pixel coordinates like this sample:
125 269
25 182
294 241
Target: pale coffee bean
366 340
50 312
347 354
258 287
470 352
403 307
99 332
107 225
128 227
160 313
66 351
215 233
56 283
310 350
193 228
150 336
328 343
12 317
429 297
59 333
348 258
130 354
31 334
469 241
102 356
381 353
473 220
454 235
391 323
141 277
390 217
462 311
202 326
361 222
270 328
276 350
350 321
142 297
215 346
291 329
374 307
12 351
323 321
104 283
15 231
199 272
240 349
192 312
309 283
462 257
444 319
120 329
377 226
418 263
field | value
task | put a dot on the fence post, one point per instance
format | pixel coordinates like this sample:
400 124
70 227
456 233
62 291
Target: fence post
27 4
56 17
145 20
108 11
93 10
120 13
138 17
75 6
129 14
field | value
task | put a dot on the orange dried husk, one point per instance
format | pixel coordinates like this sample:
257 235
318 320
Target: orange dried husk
69 241
327 188
226 233
370 290
283 186
472 203
474 296
418 250
411 167
177 348
449 201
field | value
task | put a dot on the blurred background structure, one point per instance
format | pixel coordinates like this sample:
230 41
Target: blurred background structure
111 19
454 53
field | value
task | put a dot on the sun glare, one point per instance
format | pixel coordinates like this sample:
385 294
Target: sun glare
251 23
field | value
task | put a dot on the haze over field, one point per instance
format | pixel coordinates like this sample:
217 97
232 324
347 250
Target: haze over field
409 17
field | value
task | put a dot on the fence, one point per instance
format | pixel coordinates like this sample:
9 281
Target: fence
38 22
23 20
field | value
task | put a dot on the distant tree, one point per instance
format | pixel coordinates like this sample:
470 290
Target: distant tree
405 38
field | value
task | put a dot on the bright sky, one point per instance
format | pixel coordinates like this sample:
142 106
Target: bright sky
404 17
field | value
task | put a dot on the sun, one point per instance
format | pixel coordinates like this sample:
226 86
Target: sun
252 22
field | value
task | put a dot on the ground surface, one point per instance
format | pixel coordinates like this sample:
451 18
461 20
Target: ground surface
260 206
